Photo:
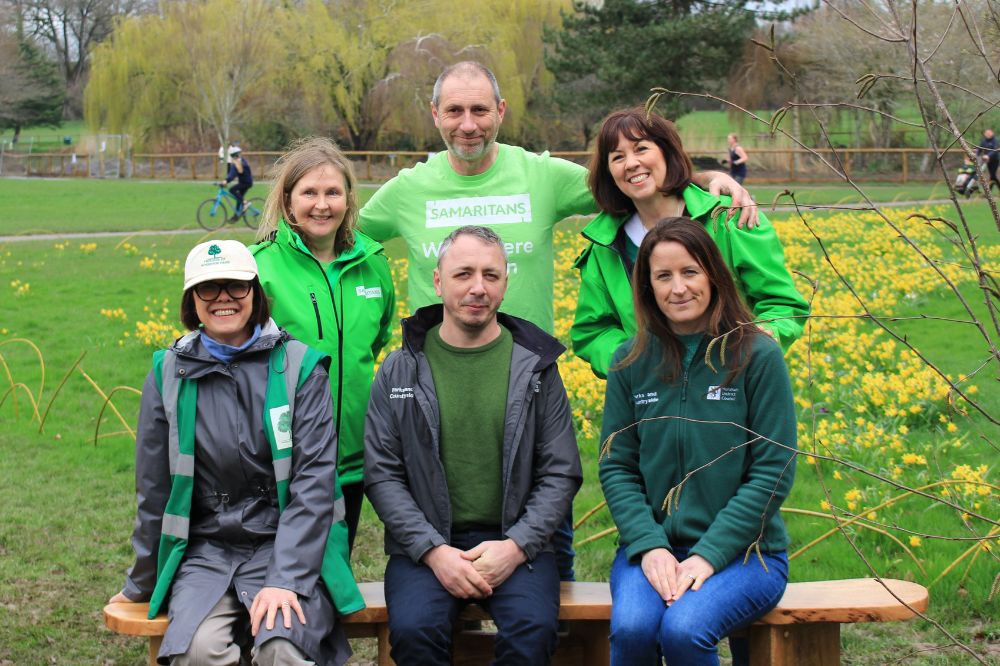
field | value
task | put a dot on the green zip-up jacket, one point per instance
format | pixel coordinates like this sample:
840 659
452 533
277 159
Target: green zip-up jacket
737 481
604 315
344 309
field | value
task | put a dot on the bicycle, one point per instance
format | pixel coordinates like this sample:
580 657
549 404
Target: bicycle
214 213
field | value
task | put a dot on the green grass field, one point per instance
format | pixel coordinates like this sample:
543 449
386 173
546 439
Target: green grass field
33 206
67 502
46 139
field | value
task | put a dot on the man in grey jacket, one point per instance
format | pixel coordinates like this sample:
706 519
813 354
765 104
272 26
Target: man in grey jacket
471 463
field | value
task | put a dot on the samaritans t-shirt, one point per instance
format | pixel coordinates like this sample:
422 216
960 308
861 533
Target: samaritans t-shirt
521 197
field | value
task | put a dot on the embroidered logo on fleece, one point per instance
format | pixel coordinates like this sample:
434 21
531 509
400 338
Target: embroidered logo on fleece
724 393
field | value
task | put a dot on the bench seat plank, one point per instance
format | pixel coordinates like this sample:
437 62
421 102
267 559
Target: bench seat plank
849 600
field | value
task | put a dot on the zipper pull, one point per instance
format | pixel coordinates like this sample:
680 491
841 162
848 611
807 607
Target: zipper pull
684 388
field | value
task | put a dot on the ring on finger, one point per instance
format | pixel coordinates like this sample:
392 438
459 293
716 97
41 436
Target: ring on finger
692 577
285 604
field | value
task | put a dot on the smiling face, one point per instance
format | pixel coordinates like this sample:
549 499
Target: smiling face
681 287
471 281
318 204
225 319
638 168
468 117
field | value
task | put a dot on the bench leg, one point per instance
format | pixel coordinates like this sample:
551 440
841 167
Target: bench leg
814 644
154 648
596 651
382 634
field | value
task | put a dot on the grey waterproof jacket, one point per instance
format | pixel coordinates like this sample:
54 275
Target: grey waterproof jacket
404 477
238 540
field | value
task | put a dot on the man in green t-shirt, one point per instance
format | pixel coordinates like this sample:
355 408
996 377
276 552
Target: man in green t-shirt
519 194
471 463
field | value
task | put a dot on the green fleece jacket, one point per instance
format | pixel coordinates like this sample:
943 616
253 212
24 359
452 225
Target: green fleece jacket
344 309
604 315
737 482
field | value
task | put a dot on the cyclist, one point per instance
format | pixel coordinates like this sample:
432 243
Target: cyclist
239 170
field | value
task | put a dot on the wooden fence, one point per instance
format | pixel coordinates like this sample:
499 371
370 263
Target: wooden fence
767 165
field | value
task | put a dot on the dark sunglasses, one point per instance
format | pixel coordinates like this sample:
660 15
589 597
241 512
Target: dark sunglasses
209 291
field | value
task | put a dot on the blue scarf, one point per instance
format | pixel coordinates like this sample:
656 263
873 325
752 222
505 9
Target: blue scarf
224 352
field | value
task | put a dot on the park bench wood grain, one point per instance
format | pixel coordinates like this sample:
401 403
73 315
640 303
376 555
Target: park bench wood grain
803 629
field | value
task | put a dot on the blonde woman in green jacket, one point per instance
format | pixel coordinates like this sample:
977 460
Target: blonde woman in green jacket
639 175
330 286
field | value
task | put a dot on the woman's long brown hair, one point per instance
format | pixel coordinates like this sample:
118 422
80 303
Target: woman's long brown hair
727 314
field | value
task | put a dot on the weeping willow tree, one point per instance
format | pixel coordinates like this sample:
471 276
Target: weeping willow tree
346 68
203 65
370 64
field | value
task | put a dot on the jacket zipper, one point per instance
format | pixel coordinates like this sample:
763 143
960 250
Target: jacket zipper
319 321
340 337
679 444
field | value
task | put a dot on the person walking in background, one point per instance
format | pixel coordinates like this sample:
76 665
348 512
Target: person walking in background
239 170
640 174
724 429
989 151
737 159
329 286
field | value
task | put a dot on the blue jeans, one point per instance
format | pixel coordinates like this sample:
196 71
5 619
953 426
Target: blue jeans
421 612
644 629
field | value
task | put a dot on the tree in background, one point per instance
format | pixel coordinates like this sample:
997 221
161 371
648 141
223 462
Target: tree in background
371 64
209 65
341 58
68 30
609 55
827 71
31 92
346 68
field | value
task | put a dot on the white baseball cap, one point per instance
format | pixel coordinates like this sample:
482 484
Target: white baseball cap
234 150
219 260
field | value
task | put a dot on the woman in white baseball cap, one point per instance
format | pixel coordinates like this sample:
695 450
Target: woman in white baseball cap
238 534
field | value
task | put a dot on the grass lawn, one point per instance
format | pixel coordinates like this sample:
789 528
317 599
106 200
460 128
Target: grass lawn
33 206
45 139
67 503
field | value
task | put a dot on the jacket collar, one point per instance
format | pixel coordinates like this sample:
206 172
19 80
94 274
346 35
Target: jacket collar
190 348
604 228
364 245
526 334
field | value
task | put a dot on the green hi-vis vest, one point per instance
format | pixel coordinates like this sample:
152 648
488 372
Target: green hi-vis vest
180 401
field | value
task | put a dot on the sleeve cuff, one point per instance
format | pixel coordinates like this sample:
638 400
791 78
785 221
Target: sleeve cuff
637 548
417 551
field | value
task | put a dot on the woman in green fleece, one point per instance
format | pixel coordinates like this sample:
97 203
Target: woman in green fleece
329 286
640 174
718 430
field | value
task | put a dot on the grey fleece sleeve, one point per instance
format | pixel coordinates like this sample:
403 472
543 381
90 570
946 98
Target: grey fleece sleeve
558 474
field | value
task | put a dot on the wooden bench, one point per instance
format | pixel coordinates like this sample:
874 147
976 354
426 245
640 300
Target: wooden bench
803 629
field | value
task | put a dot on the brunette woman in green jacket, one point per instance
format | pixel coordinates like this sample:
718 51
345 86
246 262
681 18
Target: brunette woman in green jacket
699 455
640 174
330 287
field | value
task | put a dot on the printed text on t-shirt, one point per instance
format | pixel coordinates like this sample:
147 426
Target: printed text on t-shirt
509 209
